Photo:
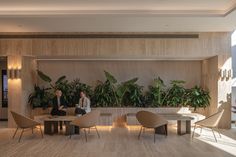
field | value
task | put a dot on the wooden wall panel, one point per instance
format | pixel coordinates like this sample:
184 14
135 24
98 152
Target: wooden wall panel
207 45
19 89
146 71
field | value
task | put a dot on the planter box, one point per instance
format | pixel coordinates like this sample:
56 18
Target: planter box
121 115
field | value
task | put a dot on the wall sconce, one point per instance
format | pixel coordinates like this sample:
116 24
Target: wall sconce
14 73
225 74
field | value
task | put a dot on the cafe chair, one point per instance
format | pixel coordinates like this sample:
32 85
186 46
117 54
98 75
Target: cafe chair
151 120
87 121
210 122
24 123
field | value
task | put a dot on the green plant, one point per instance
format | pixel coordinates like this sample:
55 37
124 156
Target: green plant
40 97
156 94
133 95
197 97
103 95
75 88
61 83
56 84
175 96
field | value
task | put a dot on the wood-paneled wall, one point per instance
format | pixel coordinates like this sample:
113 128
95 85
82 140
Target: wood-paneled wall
91 71
19 89
208 44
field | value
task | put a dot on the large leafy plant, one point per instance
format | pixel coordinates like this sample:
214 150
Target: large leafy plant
175 96
156 95
40 97
103 95
198 97
61 83
75 88
112 93
133 96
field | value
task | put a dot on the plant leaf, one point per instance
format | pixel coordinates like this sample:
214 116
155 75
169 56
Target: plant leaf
110 77
43 76
60 79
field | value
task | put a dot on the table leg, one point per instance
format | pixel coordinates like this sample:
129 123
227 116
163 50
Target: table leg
70 129
183 127
179 128
188 126
161 130
47 127
55 127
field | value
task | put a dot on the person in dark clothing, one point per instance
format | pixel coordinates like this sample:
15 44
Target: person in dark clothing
59 105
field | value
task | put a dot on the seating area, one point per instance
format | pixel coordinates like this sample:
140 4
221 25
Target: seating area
118 78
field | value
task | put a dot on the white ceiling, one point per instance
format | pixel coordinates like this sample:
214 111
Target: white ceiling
117 15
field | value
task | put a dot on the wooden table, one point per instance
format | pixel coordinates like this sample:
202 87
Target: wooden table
183 122
51 124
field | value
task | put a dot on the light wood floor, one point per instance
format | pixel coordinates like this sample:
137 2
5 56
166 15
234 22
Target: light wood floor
118 142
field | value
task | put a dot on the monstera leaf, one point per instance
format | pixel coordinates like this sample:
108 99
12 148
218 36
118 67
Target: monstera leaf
43 76
60 79
110 77
124 86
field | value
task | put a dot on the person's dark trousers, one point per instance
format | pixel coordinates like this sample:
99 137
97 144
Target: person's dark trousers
56 112
80 111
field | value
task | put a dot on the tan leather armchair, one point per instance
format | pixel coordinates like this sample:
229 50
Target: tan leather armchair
87 121
24 122
210 122
151 120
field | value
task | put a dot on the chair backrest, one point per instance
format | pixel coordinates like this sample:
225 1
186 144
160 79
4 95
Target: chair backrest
88 120
149 119
213 120
23 121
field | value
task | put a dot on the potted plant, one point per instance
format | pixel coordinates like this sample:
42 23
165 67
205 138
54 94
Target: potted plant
197 98
175 95
156 95
40 97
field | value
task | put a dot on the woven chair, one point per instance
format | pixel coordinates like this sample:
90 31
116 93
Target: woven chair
23 123
87 121
151 120
210 122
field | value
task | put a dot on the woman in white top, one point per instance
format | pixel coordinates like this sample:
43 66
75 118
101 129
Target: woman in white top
84 104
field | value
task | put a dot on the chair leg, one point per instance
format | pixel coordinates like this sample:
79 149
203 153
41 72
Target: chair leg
214 134
85 133
140 132
41 130
218 130
193 130
97 132
21 135
15 133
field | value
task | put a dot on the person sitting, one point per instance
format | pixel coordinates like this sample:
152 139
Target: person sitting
59 105
84 104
